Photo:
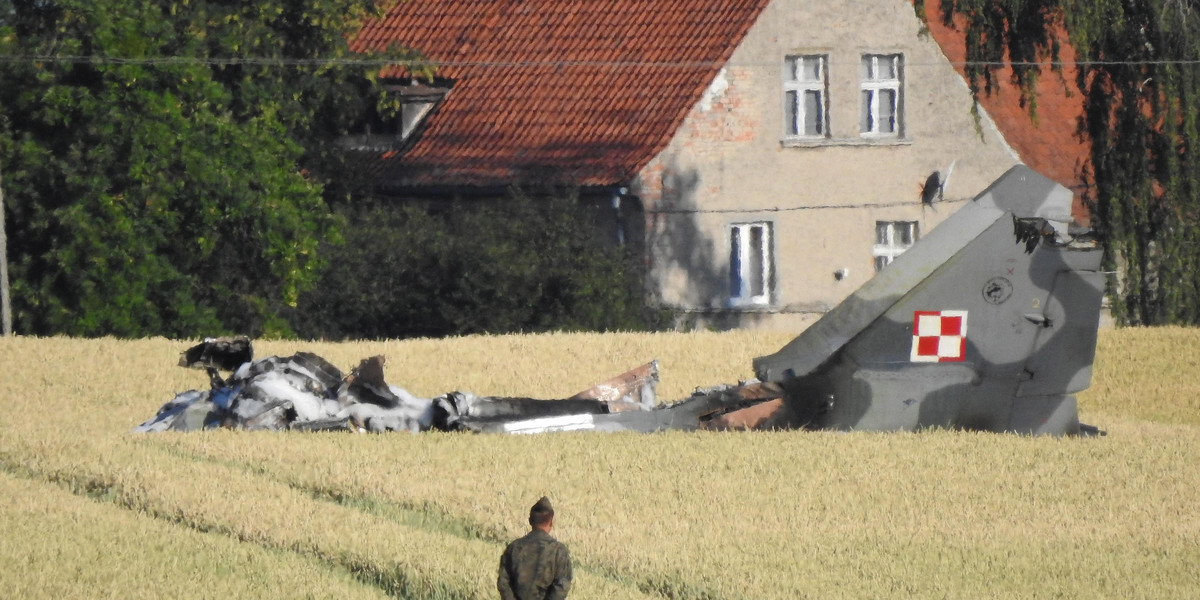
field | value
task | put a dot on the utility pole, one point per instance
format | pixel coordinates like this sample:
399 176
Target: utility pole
5 305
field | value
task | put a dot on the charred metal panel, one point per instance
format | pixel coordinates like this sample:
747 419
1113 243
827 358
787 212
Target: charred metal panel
752 405
768 414
225 354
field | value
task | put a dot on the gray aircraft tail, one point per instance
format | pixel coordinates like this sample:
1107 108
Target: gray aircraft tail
989 322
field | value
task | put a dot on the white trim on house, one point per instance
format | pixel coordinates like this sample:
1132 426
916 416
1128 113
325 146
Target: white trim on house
892 238
751 264
806 96
882 105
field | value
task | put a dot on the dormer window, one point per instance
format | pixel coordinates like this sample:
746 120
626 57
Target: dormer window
417 99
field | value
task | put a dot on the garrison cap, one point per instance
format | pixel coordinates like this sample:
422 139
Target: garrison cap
541 507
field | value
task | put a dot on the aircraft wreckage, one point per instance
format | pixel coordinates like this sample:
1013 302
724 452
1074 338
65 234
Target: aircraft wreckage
987 323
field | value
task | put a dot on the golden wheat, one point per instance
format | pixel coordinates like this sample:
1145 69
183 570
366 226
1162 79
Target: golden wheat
96 511
1147 373
59 545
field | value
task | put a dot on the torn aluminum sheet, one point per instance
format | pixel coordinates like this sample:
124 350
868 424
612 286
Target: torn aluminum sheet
634 388
747 405
302 391
306 392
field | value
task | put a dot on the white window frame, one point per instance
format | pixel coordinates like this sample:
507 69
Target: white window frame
751 269
799 85
873 85
892 238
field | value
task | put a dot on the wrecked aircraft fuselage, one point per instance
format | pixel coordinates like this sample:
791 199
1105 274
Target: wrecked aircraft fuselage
306 392
988 323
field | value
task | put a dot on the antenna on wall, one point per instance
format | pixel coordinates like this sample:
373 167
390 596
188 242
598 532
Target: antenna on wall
935 185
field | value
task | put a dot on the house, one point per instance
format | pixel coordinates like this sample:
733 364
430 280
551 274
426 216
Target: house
775 153
1048 140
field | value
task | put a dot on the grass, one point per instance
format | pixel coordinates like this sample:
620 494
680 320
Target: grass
92 510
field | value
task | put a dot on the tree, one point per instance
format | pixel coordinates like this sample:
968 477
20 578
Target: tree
522 264
165 161
1138 69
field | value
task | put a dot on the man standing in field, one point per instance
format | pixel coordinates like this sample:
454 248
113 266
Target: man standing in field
536 566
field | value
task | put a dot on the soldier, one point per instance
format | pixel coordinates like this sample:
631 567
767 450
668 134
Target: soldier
536 566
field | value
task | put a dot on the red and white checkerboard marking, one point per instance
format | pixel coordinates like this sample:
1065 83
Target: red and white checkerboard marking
939 336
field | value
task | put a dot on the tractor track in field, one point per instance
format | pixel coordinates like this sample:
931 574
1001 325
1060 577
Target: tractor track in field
99 488
431 519
394 582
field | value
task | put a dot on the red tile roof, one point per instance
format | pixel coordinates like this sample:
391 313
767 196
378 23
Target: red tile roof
586 91
1051 145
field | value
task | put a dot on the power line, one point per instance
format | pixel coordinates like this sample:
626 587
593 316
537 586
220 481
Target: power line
383 62
210 61
781 209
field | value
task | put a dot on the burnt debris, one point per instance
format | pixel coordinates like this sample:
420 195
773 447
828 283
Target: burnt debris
306 392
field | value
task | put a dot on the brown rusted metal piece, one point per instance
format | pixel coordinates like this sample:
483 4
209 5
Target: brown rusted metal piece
369 371
748 406
631 390
768 414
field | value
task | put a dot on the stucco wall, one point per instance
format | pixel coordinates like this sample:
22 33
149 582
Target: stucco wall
730 163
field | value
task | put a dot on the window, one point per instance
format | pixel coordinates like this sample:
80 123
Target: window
892 238
750 264
387 130
805 97
881 102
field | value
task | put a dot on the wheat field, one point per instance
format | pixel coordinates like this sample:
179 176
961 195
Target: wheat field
90 510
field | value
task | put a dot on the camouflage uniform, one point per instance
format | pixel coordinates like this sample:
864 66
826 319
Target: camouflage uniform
536 566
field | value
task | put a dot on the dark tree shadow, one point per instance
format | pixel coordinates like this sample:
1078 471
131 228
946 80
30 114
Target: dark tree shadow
680 238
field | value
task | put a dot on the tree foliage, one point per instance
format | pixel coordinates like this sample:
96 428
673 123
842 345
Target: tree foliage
1139 69
517 265
164 160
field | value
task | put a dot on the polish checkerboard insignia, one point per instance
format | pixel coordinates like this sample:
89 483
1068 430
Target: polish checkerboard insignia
939 336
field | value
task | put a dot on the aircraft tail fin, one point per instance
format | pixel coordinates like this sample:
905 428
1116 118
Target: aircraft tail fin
988 322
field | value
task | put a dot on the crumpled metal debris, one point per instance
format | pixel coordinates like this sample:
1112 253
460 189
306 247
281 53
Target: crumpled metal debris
306 392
